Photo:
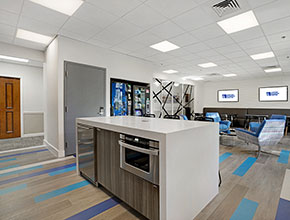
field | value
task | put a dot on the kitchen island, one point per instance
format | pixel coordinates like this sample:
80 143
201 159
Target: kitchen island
186 163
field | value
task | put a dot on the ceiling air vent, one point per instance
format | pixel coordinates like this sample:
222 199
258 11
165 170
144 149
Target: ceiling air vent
213 74
226 7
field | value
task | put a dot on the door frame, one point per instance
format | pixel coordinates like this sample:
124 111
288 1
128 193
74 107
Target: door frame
65 62
21 100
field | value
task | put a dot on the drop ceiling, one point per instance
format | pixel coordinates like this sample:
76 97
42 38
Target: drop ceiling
132 26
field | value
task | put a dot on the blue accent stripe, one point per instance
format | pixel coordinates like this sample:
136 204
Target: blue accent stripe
95 210
20 171
284 156
9 167
19 154
12 189
35 174
245 211
224 157
60 191
62 171
7 160
283 211
245 166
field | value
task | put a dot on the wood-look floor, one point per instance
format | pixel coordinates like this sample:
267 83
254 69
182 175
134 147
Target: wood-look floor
25 159
262 184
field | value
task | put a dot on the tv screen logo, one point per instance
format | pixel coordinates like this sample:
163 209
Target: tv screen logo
274 93
228 96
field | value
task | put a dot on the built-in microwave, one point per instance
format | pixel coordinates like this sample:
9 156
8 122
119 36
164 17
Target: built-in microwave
140 156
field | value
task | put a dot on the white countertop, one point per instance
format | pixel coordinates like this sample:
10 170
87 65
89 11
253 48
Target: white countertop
155 125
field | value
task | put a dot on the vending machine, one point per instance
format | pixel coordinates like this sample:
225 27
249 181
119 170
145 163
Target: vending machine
127 97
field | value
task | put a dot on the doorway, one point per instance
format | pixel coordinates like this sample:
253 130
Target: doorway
10 117
84 96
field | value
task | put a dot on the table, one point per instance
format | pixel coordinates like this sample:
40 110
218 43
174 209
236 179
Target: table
252 116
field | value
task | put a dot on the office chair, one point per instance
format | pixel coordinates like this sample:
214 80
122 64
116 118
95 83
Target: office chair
149 115
224 125
254 126
171 117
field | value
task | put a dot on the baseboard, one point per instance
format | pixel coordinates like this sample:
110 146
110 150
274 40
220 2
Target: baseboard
53 149
33 135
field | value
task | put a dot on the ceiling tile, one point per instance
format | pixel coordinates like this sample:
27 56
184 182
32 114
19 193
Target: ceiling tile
7 30
275 10
8 18
129 45
94 15
256 50
258 42
160 57
99 43
277 26
29 44
184 40
11 5
208 32
118 8
179 53
43 14
228 49
37 26
171 8
277 38
6 38
167 30
144 17
195 48
81 28
144 52
109 38
258 3
219 41
193 19
125 28
267 62
147 38
248 34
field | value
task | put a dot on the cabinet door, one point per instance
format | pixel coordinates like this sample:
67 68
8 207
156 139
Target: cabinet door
138 193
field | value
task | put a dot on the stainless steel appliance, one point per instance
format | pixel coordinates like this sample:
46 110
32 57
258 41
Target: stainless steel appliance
140 156
87 152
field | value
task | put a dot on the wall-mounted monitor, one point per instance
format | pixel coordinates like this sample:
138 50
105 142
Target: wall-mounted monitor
273 94
229 95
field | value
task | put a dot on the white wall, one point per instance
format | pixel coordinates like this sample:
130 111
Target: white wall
248 93
117 66
31 87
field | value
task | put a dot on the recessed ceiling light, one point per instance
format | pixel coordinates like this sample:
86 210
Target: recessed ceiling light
32 36
67 7
195 78
207 65
272 70
238 23
170 71
164 46
230 75
176 84
14 59
261 56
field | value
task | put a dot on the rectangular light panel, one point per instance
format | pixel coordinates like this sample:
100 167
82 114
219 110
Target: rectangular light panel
170 71
3 57
261 56
34 37
239 22
164 46
207 65
67 7
272 70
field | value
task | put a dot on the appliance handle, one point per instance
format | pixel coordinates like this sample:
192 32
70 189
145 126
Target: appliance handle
145 151
86 128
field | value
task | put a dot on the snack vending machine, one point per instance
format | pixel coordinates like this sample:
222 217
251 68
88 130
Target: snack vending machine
141 99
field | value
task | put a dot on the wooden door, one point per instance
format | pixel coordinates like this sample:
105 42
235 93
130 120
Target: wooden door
9 108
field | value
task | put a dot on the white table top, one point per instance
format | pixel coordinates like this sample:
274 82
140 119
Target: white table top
155 125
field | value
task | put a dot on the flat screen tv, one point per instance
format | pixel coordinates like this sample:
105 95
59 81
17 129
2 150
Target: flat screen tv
228 95
273 94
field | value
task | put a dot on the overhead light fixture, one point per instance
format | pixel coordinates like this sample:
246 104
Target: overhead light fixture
164 46
193 78
261 56
207 65
156 83
67 7
230 75
32 36
170 71
239 22
3 57
273 69
176 84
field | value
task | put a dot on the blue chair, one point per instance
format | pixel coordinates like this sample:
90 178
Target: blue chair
184 117
224 125
255 125
269 133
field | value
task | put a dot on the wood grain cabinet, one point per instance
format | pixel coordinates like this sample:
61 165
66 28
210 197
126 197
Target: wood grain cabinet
138 193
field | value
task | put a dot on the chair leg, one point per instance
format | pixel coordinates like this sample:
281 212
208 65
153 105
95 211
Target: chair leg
259 152
220 178
286 131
